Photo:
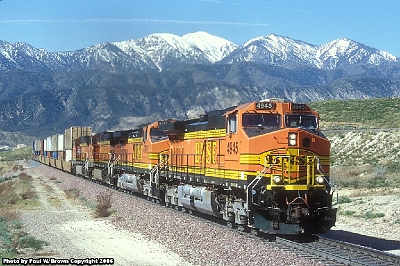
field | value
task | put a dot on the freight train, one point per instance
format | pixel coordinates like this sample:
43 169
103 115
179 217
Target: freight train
259 165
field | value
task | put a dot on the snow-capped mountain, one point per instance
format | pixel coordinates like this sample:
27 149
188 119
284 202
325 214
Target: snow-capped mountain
283 51
273 50
153 52
110 85
166 51
344 51
215 48
169 50
24 56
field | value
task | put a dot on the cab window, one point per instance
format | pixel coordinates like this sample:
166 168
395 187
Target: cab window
301 121
232 124
157 135
261 120
258 124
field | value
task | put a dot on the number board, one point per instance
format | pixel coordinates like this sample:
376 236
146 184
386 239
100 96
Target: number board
265 105
299 106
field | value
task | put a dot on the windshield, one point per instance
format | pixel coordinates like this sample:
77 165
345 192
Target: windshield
157 135
260 120
303 121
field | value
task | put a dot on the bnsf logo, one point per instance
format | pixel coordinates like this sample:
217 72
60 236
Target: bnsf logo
209 150
137 152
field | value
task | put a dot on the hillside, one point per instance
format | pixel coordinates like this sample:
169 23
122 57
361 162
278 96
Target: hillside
365 140
359 114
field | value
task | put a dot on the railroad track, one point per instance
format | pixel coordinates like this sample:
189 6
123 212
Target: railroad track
335 252
318 248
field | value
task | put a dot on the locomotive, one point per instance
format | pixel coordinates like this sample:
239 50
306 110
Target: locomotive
261 165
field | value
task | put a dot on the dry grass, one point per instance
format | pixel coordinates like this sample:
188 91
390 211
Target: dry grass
72 193
5 166
9 215
16 194
103 207
363 177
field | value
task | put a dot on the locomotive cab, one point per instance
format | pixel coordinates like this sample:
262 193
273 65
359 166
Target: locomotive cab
285 158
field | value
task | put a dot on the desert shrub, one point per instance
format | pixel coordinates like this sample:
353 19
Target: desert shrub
372 215
377 182
5 235
24 176
5 186
7 253
347 213
344 199
379 172
16 224
9 215
103 208
28 194
13 199
348 177
72 193
30 242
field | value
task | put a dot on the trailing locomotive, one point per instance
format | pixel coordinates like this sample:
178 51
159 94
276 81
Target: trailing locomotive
261 165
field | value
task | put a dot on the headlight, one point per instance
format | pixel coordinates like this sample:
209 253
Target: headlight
277 179
320 180
292 139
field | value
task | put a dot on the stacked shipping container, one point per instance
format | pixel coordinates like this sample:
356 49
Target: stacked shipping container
57 150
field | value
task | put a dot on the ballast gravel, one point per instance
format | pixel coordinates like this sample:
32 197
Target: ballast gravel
197 241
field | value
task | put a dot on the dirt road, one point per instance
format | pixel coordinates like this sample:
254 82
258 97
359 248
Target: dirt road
71 231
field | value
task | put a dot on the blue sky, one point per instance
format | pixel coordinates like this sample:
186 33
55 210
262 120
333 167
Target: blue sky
59 25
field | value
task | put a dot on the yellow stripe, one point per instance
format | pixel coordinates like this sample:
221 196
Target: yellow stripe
295 187
215 173
153 156
259 159
214 133
135 140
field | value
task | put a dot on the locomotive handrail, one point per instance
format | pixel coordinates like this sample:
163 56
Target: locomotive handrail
322 172
319 166
154 173
249 190
86 162
111 164
311 161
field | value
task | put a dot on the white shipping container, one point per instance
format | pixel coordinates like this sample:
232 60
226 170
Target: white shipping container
49 143
54 143
60 142
68 155
35 146
38 145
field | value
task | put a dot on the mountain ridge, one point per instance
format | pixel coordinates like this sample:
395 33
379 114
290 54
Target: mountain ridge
160 51
120 84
